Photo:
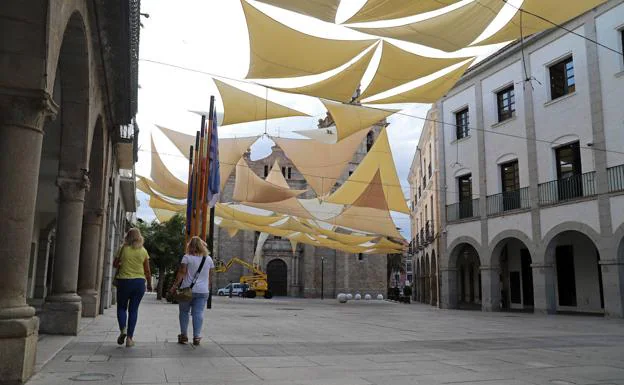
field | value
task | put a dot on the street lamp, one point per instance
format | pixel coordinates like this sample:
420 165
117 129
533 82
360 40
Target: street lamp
322 277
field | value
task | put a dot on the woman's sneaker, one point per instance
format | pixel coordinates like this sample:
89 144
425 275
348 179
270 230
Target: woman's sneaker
122 337
129 342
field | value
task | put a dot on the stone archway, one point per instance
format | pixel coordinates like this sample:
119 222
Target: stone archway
576 273
434 279
62 310
417 280
422 279
512 275
427 273
458 273
277 276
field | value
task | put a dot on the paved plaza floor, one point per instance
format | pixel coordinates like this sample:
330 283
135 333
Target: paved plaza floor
300 341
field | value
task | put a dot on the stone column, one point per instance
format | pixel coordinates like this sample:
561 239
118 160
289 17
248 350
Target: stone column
62 310
613 287
46 241
544 288
89 257
21 133
448 288
490 284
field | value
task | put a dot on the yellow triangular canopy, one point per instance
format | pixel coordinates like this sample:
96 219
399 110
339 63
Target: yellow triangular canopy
251 188
450 31
385 243
157 202
278 51
230 149
276 177
367 219
320 163
167 183
375 10
340 86
397 67
291 224
351 118
377 164
348 239
557 11
163 215
429 92
231 213
240 106
321 9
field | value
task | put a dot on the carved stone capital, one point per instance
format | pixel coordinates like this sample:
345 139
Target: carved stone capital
26 108
73 189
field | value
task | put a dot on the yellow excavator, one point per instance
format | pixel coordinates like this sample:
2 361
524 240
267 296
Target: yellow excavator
257 281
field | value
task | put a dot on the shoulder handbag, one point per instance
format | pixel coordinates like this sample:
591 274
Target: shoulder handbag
186 294
118 256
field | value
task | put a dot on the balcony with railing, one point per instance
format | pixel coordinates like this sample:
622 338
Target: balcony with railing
467 209
126 145
508 200
563 190
615 177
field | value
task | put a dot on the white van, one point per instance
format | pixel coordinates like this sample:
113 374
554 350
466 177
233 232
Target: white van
237 289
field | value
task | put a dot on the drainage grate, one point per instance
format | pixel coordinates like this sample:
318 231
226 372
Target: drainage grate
92 377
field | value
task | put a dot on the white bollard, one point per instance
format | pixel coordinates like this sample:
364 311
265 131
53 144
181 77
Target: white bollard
380 297
349 296
342 298
368 297
358 297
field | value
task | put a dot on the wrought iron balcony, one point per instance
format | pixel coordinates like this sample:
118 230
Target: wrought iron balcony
615 176
561 190
508 200
462 210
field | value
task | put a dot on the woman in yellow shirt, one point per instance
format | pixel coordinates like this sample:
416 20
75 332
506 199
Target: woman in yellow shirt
133 271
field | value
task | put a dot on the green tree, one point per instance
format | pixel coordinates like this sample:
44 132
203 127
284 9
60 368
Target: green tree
165 244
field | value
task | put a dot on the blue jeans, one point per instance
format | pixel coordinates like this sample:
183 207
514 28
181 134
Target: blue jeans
129 295
196 306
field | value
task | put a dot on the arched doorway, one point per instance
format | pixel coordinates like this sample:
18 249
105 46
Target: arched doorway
515 279
277 273
469 278
578 279
417 281
434 279
427 280
422 279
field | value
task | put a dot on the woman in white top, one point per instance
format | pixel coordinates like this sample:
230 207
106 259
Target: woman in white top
195 252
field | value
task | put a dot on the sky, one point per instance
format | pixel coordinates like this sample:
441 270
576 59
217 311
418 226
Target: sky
210 36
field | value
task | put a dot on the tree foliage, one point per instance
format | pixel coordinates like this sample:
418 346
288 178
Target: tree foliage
165 244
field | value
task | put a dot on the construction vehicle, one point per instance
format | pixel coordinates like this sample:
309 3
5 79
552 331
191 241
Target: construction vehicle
257 281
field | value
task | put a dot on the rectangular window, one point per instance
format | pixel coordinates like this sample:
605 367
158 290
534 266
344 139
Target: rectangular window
461 123
429 169
360 257
289 172
510 180
419 192
566 276
568 159
266 170
464 184
562 78
506 100
284 172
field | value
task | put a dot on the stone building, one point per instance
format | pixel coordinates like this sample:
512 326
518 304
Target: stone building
68 97
304 272
533 173
425 215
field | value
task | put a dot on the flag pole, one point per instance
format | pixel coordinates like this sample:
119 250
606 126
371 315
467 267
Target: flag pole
194 195
200 177
189 198
211 116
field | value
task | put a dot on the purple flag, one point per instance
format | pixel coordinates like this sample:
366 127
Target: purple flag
214 182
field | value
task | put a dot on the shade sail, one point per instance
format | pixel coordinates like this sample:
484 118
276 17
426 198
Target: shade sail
351 118
276 177
291 224
397 67
278 51
156 202
376 177
320 163
450 31
167 183
347 239
340 86
375 10
427 93
325 135
231 213
321 9
240 106
557 11
367 219
249 187
384 243
230 149
163 215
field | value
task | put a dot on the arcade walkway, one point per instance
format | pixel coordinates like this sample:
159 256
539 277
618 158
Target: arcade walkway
296 341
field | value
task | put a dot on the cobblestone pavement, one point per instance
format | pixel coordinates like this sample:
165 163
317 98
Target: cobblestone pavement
299 341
